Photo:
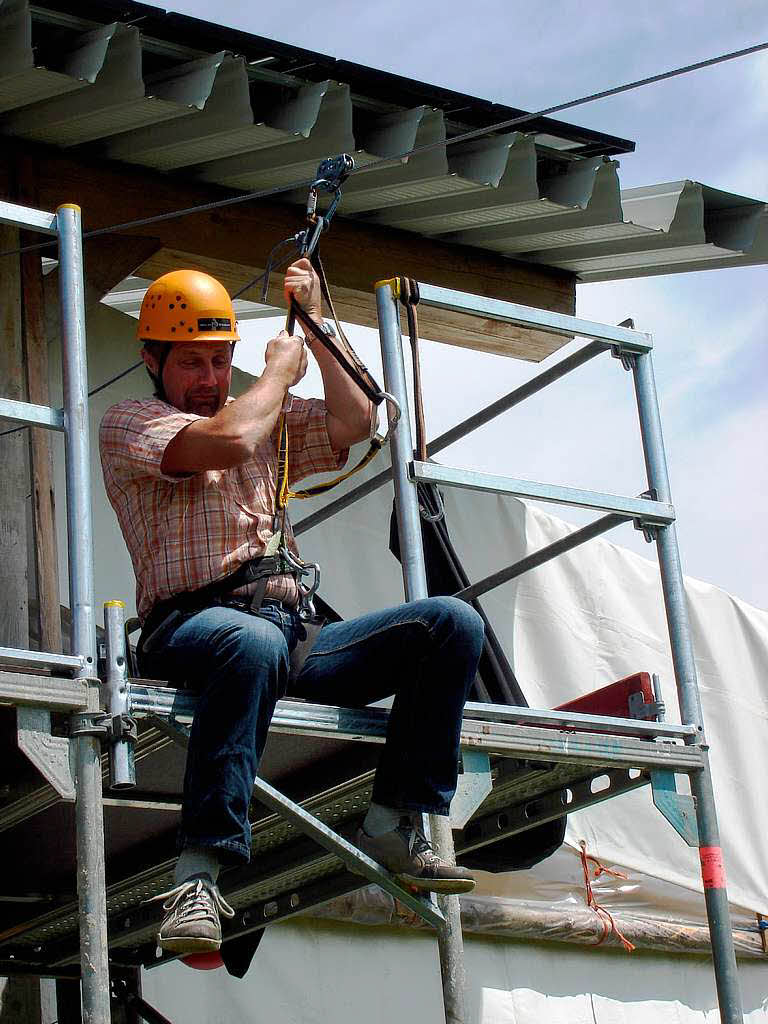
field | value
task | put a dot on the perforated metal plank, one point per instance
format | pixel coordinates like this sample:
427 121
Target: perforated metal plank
58 694
525 794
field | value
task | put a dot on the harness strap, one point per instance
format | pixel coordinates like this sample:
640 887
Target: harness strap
429 495
342 352
348 359
408 291
255 570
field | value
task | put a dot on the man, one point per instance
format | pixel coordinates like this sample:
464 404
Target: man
191 474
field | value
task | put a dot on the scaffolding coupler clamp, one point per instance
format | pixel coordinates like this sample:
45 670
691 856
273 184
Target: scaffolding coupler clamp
648 530
331 175
618 351
104 726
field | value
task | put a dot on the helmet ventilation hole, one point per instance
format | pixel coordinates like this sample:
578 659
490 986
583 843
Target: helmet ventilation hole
183 305
171 305
191 330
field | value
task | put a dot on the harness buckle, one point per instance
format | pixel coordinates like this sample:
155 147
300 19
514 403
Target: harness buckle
306 605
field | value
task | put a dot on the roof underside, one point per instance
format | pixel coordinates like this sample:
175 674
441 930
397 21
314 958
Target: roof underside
131 83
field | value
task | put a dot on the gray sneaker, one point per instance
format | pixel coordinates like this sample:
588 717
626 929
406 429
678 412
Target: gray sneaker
191 923
407 854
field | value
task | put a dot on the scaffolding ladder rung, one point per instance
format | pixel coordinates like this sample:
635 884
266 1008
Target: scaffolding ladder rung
643 509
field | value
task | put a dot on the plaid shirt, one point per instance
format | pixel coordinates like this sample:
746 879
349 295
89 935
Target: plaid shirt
184 532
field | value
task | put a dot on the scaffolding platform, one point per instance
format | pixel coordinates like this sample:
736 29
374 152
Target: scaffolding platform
97 839
542 765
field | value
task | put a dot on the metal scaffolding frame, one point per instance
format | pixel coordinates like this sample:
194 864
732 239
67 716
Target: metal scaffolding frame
72 420
652 512
545 761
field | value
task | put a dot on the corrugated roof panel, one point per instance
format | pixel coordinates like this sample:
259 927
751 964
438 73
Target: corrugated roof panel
215 92
589 234
21 83
109 58
586 194
676 260
438 172
330 132
420 127
411 191
518 199
675 225
648 260
544 196
227 124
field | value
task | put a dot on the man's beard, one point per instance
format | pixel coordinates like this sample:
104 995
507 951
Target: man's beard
207 404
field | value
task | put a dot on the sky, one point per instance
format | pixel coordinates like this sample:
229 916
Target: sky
710 328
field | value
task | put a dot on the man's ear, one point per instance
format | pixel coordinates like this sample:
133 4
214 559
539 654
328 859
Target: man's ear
150 362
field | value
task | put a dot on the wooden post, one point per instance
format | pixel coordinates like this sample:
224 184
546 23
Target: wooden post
19 997
14 623
41 468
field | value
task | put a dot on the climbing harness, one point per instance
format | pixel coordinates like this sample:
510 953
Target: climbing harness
331 175
278 559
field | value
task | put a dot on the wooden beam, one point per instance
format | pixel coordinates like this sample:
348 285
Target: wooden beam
111 258
14 625
359 307
35 347
41 465
356 254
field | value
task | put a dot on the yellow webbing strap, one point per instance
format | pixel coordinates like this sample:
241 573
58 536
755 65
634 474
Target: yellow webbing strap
284 493
311 492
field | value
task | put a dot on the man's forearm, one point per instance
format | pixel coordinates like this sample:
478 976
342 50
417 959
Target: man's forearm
231 436
349 410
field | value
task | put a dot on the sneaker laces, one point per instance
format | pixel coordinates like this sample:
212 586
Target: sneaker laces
194 900
418 844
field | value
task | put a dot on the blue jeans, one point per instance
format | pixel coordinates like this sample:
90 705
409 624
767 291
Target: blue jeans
424 652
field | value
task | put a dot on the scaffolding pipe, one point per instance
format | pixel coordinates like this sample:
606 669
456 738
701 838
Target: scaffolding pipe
91 885
449 937
122 760
537 558
478 419
712 870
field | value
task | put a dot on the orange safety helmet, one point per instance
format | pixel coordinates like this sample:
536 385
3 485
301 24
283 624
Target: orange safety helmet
187 306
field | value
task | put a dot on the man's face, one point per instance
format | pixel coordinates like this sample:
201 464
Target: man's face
196 377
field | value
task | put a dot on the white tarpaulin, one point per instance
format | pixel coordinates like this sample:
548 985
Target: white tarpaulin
571 626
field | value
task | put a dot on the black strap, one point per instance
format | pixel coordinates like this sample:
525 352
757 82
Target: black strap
256 570
346 359
408 290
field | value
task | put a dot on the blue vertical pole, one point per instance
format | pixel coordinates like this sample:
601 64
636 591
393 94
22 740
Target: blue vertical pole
712 870
450 940
89 815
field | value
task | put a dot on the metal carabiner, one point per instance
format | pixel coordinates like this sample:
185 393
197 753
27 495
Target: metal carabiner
306 593
397 411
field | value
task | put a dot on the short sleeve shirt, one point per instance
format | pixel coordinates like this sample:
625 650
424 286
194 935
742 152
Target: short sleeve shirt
185 532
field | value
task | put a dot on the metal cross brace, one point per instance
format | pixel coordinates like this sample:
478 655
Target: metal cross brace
352 857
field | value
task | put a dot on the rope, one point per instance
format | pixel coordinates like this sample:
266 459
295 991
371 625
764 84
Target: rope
605 917
475 133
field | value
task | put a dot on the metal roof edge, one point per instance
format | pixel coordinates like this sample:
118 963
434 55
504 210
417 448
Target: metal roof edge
397 89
